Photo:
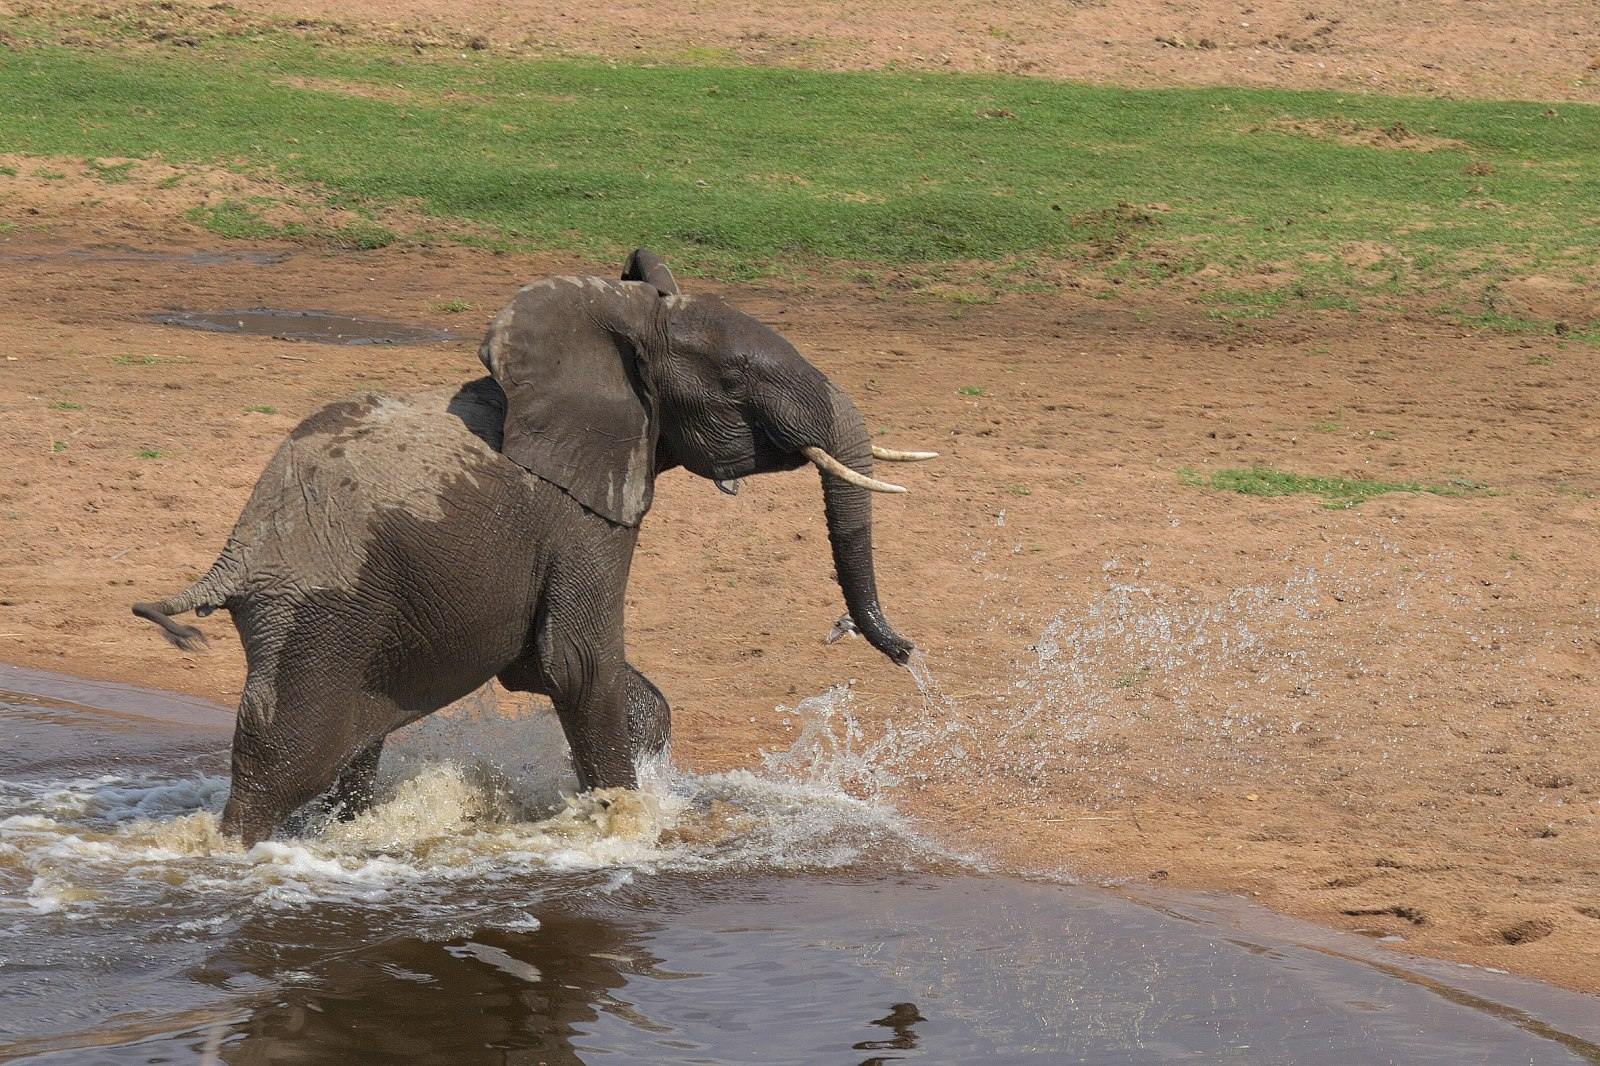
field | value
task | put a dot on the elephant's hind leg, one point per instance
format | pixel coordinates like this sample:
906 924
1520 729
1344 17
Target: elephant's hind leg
292 741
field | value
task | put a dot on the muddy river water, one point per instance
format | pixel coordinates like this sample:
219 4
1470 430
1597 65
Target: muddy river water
477 916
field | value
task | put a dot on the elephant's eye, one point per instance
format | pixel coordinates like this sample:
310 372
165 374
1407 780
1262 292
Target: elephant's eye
735 372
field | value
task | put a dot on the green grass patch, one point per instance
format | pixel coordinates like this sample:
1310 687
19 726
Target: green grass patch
734 170
452 306
358 236
237 220
1486 312
1339 492
151 453
1247 304
261 409
110 173
1582 332
65 405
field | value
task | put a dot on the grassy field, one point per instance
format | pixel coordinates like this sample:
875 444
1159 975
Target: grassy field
1284 199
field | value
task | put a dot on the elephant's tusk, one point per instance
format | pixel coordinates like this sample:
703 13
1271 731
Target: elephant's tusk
730 486
829 465
890 455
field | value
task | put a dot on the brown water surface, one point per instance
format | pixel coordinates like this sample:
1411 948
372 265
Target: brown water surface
478 916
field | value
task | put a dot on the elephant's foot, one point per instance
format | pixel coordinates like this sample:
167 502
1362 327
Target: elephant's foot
249 820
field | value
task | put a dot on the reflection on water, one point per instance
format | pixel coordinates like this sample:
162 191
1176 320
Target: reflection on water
469 999
478 916
902 1018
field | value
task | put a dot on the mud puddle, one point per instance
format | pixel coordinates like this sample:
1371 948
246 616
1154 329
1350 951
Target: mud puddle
480 914
117 253
319 327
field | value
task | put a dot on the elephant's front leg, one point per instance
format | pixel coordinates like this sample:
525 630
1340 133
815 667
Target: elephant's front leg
649 717
646 722
591 700
612 716
354 793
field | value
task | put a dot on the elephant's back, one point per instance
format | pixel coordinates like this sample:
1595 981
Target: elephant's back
356 466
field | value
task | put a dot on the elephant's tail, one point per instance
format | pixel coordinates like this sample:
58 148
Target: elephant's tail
215 589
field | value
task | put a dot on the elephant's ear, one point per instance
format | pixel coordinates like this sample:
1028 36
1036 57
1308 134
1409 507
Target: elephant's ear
579 408
645 265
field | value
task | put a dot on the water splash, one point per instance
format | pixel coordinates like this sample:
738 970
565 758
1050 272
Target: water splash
1156 687
921 674
1140 663
469 796
830 752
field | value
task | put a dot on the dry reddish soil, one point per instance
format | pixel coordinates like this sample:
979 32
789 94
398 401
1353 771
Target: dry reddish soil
1383 718
1529 49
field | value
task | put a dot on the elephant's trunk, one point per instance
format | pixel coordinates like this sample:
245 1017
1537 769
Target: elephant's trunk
849 510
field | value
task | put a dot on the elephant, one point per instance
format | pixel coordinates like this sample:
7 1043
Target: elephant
398 552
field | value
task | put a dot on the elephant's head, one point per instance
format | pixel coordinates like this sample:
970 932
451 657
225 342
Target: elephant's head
610 383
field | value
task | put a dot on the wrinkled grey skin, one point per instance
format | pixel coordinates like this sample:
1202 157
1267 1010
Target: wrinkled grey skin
397 553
